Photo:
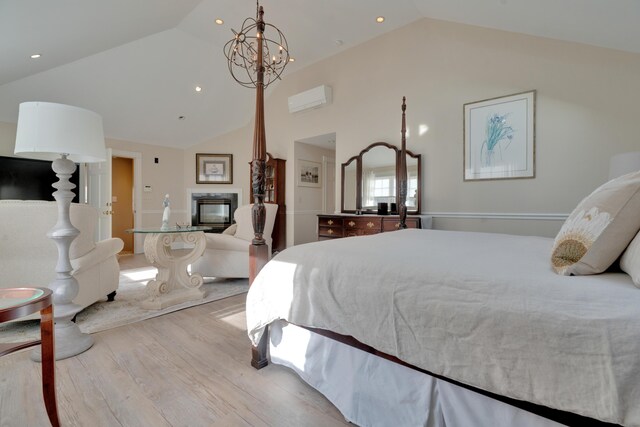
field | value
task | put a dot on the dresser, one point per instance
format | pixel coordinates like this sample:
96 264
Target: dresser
345 225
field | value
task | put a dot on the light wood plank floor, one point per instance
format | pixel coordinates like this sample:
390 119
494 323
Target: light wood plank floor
187 368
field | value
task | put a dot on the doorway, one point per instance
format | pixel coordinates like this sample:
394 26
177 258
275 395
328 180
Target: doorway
122 217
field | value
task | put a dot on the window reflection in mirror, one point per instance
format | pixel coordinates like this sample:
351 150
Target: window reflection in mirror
349 190
378 177
412 183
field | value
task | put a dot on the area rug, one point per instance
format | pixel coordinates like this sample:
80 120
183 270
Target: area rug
125 309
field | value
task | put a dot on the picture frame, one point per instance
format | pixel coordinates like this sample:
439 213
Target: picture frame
214 168
309 174
499 138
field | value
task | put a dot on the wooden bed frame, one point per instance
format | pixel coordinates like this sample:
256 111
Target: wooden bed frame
259 256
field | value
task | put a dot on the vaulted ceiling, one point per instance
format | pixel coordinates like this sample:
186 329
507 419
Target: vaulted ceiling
137 62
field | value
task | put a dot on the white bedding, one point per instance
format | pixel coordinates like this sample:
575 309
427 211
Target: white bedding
482 309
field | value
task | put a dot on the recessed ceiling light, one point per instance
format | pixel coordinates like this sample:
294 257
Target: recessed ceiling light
219 21
292 59
198 89
36 56
380 19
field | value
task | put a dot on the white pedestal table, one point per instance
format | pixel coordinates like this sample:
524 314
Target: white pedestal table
173 283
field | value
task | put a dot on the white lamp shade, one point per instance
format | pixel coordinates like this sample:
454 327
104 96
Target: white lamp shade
624 163
47 130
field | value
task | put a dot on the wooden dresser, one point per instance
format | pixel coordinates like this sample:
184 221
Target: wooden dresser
345 225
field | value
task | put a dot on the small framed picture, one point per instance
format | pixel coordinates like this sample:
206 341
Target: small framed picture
499 137
214 168
309 174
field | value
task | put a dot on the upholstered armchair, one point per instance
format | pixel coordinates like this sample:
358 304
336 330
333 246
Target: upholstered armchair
227 254
28 257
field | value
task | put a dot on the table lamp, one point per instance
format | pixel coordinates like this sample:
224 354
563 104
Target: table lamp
63 134
624 163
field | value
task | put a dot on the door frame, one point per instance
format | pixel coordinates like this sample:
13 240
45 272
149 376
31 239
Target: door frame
138 239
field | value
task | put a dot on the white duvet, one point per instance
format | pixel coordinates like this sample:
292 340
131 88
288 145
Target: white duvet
482 309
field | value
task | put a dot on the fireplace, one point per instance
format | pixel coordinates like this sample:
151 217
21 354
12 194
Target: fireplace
213 210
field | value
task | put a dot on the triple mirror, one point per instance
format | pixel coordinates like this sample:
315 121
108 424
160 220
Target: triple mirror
371 178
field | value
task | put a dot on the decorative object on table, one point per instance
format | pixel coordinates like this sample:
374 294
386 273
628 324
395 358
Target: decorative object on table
499 137
309 174
256 59
214 168
166 213
48 131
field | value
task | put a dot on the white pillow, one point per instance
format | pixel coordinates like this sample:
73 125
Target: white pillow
630 261
599 229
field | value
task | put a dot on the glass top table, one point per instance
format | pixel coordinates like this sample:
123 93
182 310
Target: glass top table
20 302
175 229
173 284
15 297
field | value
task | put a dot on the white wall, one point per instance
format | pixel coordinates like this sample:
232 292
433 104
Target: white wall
586 111
308 200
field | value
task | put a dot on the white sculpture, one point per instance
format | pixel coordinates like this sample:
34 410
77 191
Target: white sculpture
166 213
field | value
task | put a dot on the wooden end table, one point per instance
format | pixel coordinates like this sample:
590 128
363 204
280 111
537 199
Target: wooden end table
20 302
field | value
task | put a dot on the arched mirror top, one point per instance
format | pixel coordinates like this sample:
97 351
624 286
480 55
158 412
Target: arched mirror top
372 177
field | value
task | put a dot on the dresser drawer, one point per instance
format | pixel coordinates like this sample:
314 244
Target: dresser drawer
392 224
330 221
324 231
368 224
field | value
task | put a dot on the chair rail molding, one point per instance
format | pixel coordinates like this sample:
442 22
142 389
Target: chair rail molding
501 215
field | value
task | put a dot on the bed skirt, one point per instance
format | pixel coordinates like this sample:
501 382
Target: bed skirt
372 391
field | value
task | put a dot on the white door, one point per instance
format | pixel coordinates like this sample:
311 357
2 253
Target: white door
99 185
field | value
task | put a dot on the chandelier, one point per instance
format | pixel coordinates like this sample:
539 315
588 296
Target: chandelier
252 54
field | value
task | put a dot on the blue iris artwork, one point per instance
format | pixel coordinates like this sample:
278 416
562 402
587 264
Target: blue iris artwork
498 138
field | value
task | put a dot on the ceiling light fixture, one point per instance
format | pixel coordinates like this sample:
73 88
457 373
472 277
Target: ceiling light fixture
292 59
219 21
198 89
252 54
380 19
36 56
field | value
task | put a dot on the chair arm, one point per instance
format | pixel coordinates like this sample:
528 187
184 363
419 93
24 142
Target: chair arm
231 229
103 250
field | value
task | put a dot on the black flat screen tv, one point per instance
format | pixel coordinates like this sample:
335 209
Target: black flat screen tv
28 179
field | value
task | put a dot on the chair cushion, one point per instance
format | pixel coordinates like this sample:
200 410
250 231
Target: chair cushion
226 242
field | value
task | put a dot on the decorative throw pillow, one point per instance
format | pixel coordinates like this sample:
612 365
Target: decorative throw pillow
599 228
630 261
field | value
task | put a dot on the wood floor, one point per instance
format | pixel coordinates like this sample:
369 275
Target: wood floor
187 368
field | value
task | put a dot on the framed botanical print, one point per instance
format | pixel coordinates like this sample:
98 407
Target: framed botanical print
499 137
214 168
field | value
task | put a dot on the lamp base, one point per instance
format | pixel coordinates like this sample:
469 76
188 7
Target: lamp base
69 341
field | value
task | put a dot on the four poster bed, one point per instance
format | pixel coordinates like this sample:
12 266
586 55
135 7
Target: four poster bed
427 327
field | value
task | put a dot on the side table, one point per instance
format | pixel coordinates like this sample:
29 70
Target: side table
20 302
173 284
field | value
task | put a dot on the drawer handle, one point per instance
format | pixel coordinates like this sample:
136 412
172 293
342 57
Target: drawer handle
351 223
330 222
397 225
330 231
370 224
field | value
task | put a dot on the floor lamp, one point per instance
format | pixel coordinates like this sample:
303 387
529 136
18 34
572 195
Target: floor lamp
63 134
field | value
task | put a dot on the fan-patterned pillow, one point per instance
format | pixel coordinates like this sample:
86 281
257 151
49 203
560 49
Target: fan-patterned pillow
599 228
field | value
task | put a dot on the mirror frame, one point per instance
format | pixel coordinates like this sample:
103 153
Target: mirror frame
358 159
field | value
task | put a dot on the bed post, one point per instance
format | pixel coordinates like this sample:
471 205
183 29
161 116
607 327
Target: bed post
259 251
402 178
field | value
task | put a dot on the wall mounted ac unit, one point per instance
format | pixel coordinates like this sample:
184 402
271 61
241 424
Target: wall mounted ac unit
312 98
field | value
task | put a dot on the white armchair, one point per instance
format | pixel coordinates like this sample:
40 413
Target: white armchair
28 257
227 254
